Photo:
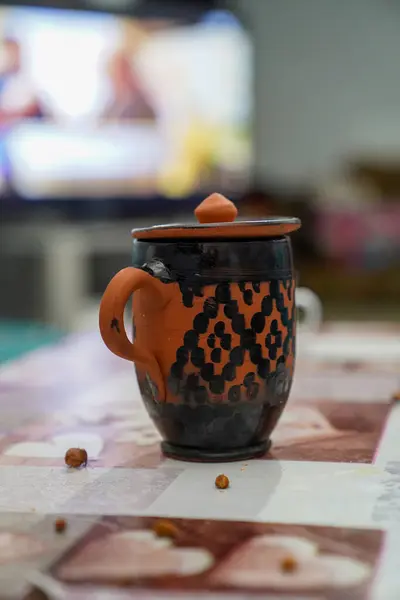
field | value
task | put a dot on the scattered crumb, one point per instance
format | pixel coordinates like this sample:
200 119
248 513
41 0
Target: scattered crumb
396 396
165 528
60 525
289 564
76 457
222 482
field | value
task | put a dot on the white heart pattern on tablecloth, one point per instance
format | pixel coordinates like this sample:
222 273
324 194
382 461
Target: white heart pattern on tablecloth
257 565
133 554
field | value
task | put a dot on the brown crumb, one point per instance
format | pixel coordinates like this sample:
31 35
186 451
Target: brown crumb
76 457
222 482
289 564
396 396
165 528
60 525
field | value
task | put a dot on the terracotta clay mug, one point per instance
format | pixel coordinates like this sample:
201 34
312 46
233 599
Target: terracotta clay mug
214 329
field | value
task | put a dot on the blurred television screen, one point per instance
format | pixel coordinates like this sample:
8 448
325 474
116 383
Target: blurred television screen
96 105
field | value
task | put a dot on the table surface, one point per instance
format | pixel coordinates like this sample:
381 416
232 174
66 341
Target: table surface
325 501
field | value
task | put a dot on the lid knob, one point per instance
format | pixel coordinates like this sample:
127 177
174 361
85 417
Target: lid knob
216 209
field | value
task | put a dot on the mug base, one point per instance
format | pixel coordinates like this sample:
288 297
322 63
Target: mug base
200 455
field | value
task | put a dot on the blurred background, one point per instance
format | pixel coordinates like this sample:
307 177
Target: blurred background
119 114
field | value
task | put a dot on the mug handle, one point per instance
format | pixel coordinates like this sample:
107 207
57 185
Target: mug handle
309 302
111 319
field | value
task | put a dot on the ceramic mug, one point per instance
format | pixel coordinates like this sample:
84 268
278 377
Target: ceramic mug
214 329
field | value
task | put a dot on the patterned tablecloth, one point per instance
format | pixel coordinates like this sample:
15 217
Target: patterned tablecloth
317 517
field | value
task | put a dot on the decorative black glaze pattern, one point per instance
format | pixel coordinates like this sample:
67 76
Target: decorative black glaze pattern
211 340
256 354
248 297
195 265
215 380
263 368
223 293
226 341
207 372
229 371
191 339
200 323
237 356
258 322
216 355
231 309
198 357
189 291
266 306
219 329
211 308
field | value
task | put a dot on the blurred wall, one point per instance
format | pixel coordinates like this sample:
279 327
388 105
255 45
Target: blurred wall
327 81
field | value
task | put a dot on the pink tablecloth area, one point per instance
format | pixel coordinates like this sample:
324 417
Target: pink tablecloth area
327 495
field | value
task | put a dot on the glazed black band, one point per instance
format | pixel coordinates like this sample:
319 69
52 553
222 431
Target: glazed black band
215 261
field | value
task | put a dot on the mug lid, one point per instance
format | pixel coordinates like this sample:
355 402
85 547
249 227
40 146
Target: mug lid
216 219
